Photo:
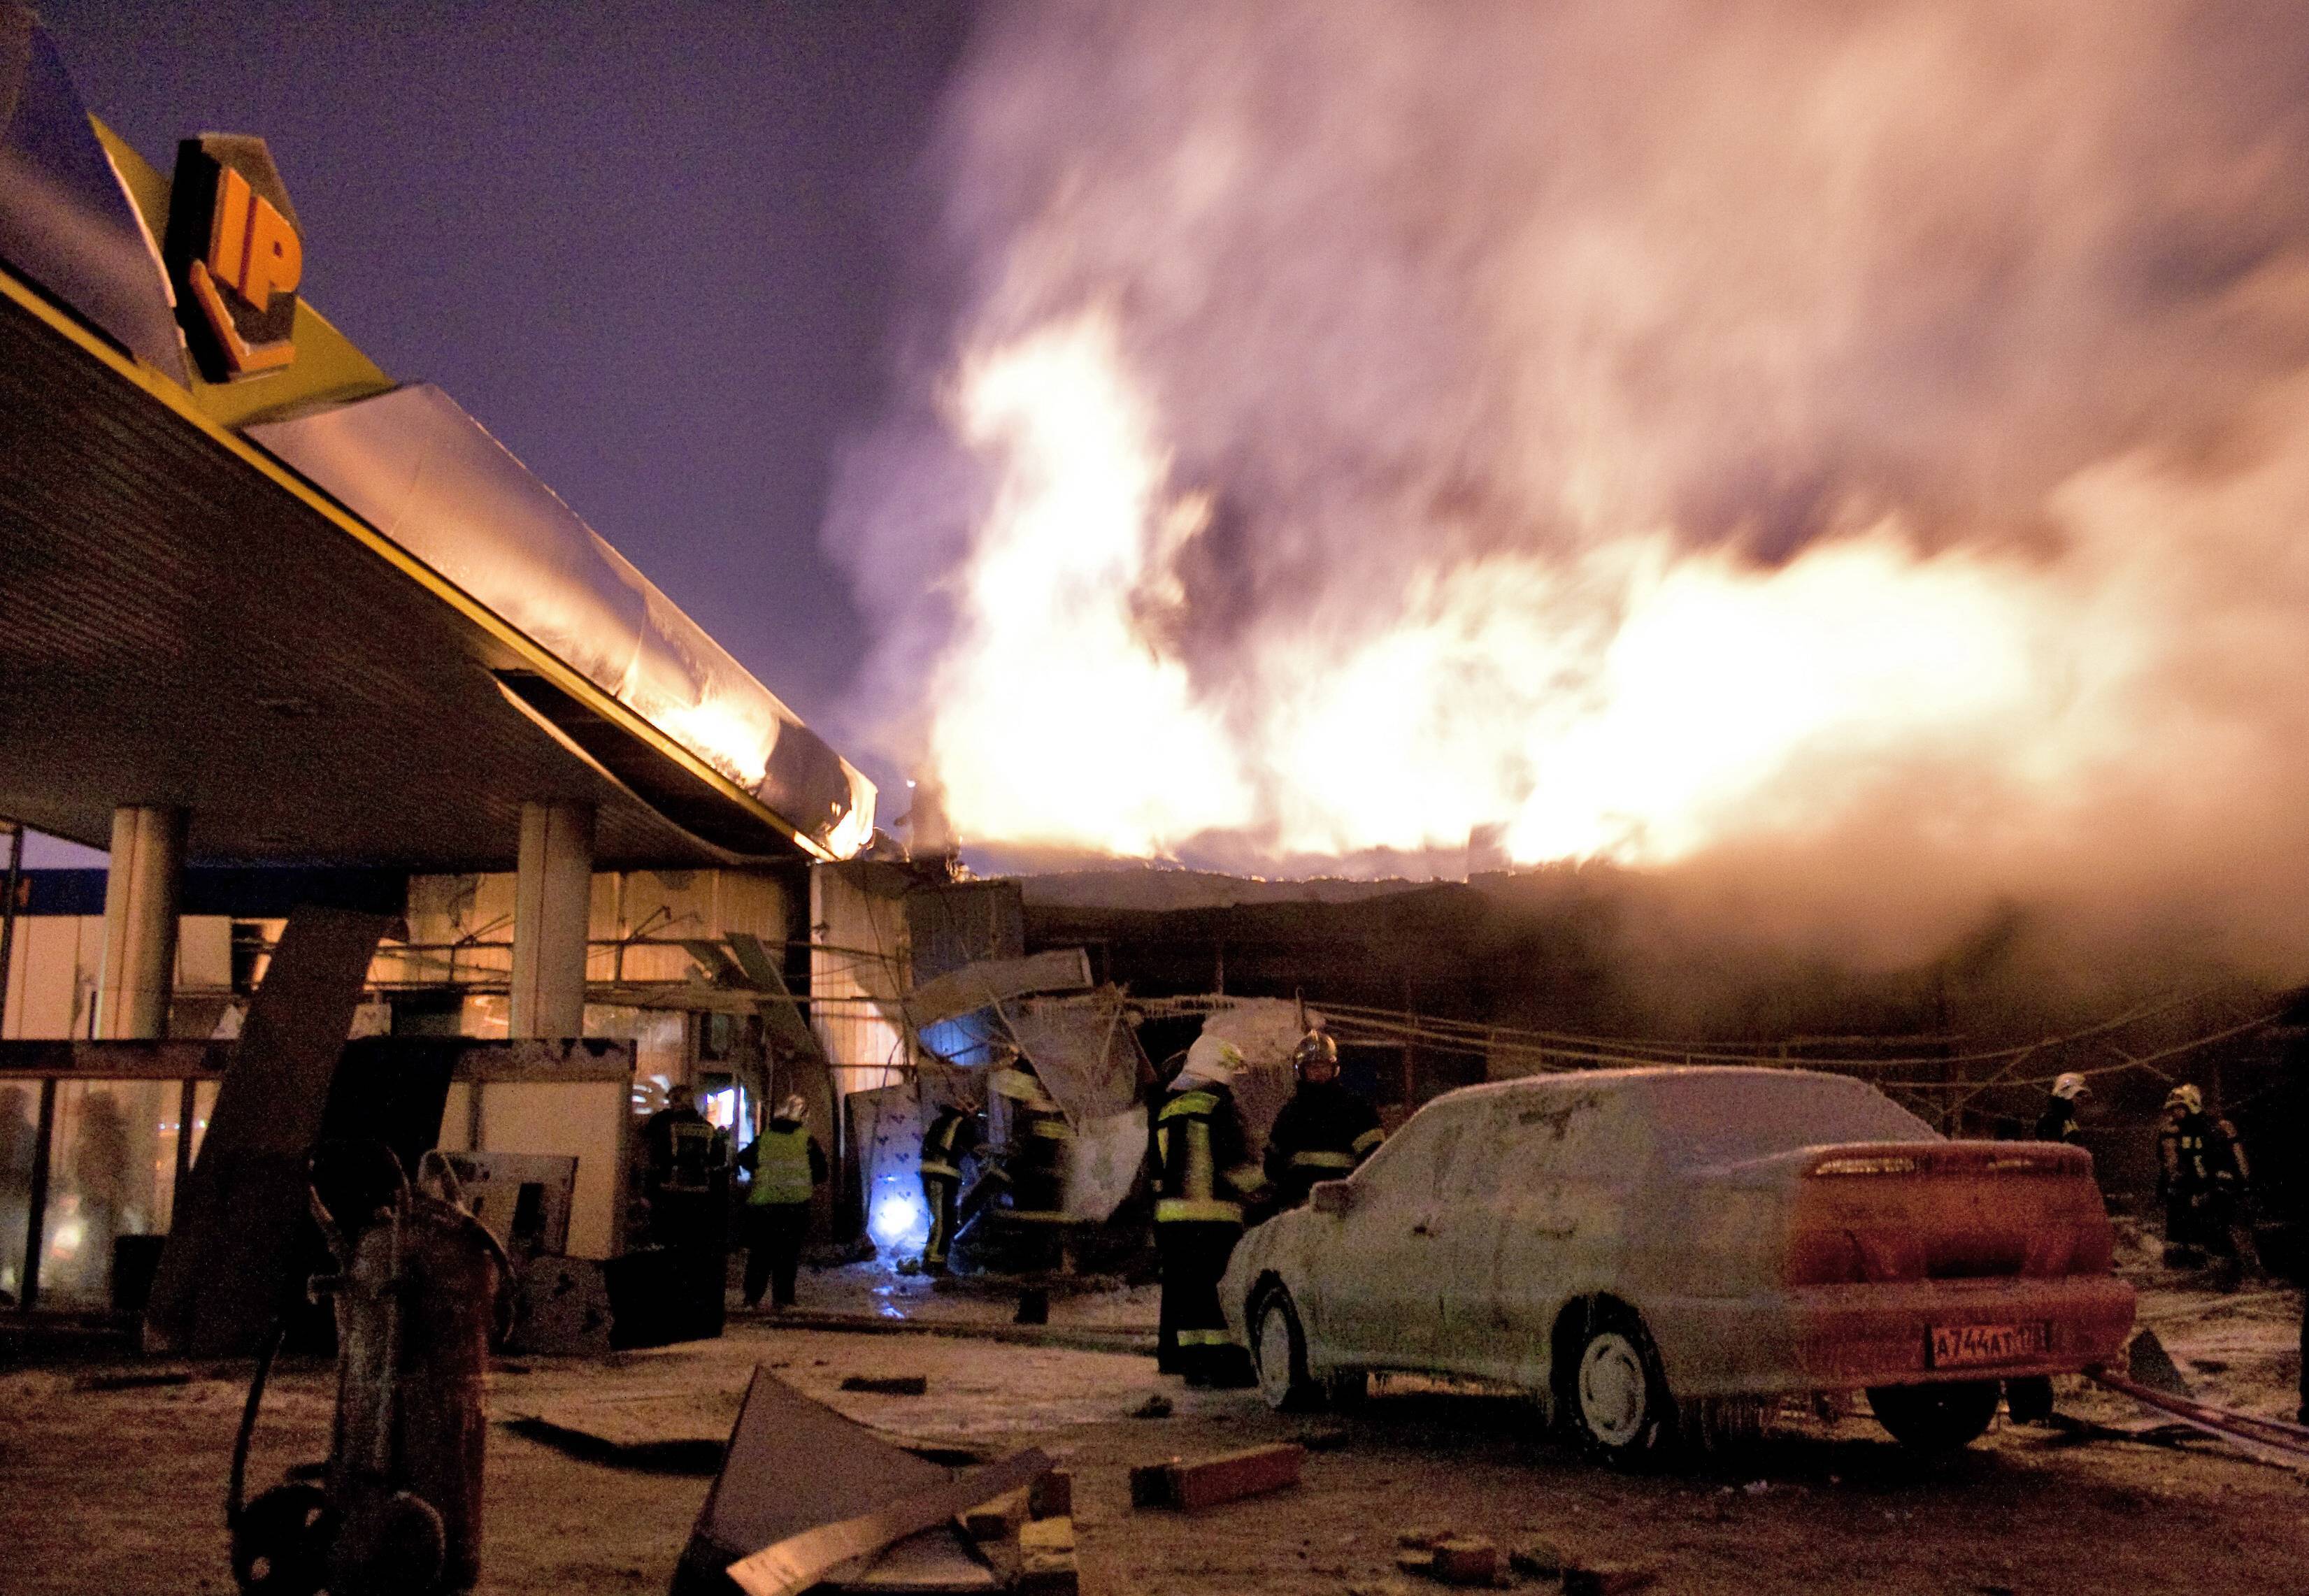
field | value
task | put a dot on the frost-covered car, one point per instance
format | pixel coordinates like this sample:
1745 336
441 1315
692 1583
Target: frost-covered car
1655 1252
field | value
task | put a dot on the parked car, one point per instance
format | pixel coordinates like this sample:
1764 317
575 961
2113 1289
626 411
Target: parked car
1653 1251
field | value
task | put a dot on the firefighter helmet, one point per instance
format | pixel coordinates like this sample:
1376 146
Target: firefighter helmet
1213 1060
2070 1087
1315 1052
2186 1098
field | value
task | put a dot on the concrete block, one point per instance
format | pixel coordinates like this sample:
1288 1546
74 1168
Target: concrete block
1466 1560
1541 1559
1046 1557
1208 1483
1150 1483
1052 1495
997 1520
1607 1579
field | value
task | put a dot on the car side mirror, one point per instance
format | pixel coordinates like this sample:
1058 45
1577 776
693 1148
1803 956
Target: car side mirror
1333 1197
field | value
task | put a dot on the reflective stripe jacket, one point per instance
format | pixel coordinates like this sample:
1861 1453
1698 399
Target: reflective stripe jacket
786 1162
2198 1152
950 1138
1322 1133
2058 1122
1203 1170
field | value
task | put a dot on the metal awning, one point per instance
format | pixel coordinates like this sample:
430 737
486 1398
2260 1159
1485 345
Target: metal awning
184 620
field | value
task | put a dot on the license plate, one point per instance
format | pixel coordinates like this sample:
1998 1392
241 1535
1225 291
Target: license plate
1960 1346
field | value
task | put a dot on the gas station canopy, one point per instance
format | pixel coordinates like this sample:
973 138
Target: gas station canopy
245 574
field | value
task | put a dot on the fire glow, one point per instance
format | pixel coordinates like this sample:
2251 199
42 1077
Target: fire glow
1862 448
1628 702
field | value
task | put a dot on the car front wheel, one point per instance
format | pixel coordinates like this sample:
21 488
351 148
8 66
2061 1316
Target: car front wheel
1279 1349
1935 1419
1619 1399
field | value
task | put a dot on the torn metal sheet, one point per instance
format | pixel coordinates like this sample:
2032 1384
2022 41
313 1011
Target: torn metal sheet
1086 1054
796 1564
231 1260
796 1467
429 477
991 981
1103 1164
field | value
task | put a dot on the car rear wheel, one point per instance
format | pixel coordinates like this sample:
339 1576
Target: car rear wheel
1935 1419
1279 1350
1618 1400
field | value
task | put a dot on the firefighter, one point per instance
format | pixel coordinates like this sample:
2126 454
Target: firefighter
952 1137
786 1165
1324 1131
2058 1122
1204 1177
1032 1166
2202 1175
687 1177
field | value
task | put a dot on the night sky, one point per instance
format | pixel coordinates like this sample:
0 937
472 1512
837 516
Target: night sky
657 251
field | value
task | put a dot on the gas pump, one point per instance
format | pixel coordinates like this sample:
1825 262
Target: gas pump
421 1291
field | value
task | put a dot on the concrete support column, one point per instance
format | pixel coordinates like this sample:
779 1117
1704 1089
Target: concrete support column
552 903
139 923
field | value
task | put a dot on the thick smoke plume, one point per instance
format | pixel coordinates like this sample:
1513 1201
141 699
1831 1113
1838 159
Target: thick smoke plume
1856 457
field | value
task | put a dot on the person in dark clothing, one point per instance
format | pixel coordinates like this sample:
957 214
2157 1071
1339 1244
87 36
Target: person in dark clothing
1204 1177
2058 1122
2201 1175
784 1168
953 1135
687 1177
686 1184
1324 1131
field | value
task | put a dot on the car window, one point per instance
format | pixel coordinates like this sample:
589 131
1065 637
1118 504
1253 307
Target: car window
1716 1117
1413 1164
1542 1137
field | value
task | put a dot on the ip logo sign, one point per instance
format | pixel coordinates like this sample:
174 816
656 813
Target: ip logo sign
234 256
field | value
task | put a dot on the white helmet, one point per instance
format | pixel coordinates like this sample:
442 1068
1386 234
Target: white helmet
2188 1099
793 1108
2070 1087
1213 1060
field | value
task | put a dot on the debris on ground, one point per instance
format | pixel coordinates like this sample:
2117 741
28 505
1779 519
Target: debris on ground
665 1432
1449 1557
132 1380
1046 1557
1608 1579
1323 1437
1052 1495
806 1497
1157 1406
1541 1559
2146 1363
887 1384
1209 1481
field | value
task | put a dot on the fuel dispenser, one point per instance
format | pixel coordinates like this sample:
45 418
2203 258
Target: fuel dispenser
421 1291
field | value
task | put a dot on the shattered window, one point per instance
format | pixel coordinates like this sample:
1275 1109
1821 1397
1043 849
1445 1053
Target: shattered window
19 1127
112 1166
